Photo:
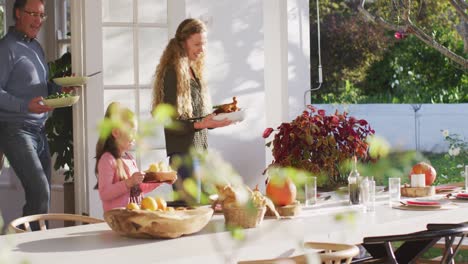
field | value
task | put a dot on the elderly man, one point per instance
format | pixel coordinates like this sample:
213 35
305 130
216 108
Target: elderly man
23 85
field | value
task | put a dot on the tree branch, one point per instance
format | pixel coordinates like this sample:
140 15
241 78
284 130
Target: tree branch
460 7
442 49
377 20
420 34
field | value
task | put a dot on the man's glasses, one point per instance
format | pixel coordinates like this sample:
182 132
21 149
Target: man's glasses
36 14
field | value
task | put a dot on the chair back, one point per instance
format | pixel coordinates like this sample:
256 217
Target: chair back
13 227
415 244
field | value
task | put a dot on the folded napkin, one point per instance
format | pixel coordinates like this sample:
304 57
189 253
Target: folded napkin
462 195
422 203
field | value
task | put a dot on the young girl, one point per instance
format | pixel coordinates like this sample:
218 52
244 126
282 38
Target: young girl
119 180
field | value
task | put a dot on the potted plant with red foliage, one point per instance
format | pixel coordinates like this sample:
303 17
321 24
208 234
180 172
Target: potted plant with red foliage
320 143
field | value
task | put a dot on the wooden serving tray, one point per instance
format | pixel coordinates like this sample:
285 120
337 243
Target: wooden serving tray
418 191
156 224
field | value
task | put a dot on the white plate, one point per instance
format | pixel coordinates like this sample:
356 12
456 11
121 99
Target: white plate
61 102
71 81
233 116
438 200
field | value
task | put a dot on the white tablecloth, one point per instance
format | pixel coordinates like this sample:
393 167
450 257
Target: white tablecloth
98 244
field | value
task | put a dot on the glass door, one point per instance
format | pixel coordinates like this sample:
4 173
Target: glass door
137 31
2 18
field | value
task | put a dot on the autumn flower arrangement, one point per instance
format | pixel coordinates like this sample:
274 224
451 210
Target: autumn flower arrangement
320 143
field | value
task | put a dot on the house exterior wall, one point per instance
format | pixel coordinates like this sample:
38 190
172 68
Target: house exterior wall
236 67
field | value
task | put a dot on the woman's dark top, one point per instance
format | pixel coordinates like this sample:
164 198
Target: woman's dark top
179 141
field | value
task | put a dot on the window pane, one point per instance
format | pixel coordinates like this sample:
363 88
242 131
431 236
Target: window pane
152 11
118 56
68 17
125 97
2 19
117 10
152 42
156 141
146 97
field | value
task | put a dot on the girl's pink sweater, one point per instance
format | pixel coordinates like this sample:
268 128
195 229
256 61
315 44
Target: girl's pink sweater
113 192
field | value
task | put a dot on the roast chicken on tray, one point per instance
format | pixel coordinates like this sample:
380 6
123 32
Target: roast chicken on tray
227 108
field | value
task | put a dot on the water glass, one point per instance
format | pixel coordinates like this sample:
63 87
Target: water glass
394 191
364 190
311 191
370 206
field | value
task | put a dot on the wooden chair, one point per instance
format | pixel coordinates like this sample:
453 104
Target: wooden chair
328 253
25 221
459 243
334 253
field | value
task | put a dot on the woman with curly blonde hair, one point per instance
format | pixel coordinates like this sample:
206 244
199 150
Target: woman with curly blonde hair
179 82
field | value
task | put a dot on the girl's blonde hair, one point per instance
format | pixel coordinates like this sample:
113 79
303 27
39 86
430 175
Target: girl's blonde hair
175 56
121 118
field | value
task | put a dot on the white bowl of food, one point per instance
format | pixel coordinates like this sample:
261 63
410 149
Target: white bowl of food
71 81
236 116
61 100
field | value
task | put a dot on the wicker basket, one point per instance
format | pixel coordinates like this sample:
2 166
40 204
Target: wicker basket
243 217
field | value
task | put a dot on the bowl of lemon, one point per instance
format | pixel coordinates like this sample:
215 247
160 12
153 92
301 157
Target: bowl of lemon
154 219
160 172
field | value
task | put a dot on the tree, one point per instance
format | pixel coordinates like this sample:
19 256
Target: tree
403 14
349 44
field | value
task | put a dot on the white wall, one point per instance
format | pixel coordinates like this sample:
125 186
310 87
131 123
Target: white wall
236 67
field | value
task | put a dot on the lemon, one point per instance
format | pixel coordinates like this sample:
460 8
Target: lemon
161 203
162 166
149 203
170 209
133 206
154 167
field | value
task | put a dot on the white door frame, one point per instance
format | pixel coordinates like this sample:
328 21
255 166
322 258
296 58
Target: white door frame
86 58
86 24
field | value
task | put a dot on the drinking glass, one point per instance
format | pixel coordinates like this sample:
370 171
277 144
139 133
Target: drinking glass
394 191
364 190
370 206
311 191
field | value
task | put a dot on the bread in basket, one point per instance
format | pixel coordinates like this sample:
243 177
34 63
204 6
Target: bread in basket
241 212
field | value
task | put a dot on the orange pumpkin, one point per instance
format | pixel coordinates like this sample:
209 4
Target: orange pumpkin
427 169
281 192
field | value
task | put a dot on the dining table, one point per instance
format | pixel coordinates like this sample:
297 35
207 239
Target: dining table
329 220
